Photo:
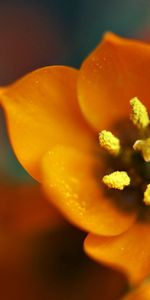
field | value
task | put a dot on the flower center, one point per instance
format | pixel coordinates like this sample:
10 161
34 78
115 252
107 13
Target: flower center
134 159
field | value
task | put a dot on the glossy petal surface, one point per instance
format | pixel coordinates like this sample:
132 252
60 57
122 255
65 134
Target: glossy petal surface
129 252
42 110
118 70
72 180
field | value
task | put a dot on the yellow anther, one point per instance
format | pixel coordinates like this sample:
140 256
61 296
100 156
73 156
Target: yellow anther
139 114
144 147
147 195
109 142
117 180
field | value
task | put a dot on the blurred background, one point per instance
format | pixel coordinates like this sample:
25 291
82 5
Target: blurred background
34 34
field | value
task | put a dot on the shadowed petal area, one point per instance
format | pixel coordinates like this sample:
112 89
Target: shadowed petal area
142 292
42 110
118 70
129 252
51 265
71 181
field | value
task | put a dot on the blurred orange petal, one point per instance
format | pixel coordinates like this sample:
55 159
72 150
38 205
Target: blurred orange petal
117 70
24 209
129 252
71 182
140 293
42 110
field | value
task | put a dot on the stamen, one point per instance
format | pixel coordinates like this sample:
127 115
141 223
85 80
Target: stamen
144 147
147 195
139 114
117 180
109 142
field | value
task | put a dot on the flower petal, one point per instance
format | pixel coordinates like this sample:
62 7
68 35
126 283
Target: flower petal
118 70
42 110
70 180
129 252
142 292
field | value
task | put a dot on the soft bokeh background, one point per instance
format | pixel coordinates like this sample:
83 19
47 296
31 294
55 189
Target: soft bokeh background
35 34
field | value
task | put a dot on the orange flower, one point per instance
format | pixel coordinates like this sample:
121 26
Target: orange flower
54 116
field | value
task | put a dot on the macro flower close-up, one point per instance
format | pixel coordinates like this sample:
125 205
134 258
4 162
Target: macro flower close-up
84 135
